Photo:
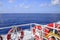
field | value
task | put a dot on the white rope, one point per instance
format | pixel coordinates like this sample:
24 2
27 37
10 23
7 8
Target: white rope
52 27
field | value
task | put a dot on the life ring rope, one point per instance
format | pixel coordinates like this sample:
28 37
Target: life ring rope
21 33
39 28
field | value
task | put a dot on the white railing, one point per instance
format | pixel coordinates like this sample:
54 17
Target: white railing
17 25
43 26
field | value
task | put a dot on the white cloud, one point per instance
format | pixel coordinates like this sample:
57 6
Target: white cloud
22 6
44 5
1 3
10 1
26 6
55 2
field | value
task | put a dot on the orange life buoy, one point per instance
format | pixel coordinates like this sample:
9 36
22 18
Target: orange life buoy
21 34
1 38
39 28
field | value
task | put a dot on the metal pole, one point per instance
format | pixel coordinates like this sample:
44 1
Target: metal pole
53 27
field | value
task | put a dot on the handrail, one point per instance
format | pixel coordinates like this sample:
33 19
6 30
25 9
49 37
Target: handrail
17 25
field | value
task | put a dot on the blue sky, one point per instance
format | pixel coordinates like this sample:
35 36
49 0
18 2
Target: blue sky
29 6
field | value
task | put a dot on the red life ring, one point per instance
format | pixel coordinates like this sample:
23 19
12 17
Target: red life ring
46 30
20 36
34 32
58 27
1 38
